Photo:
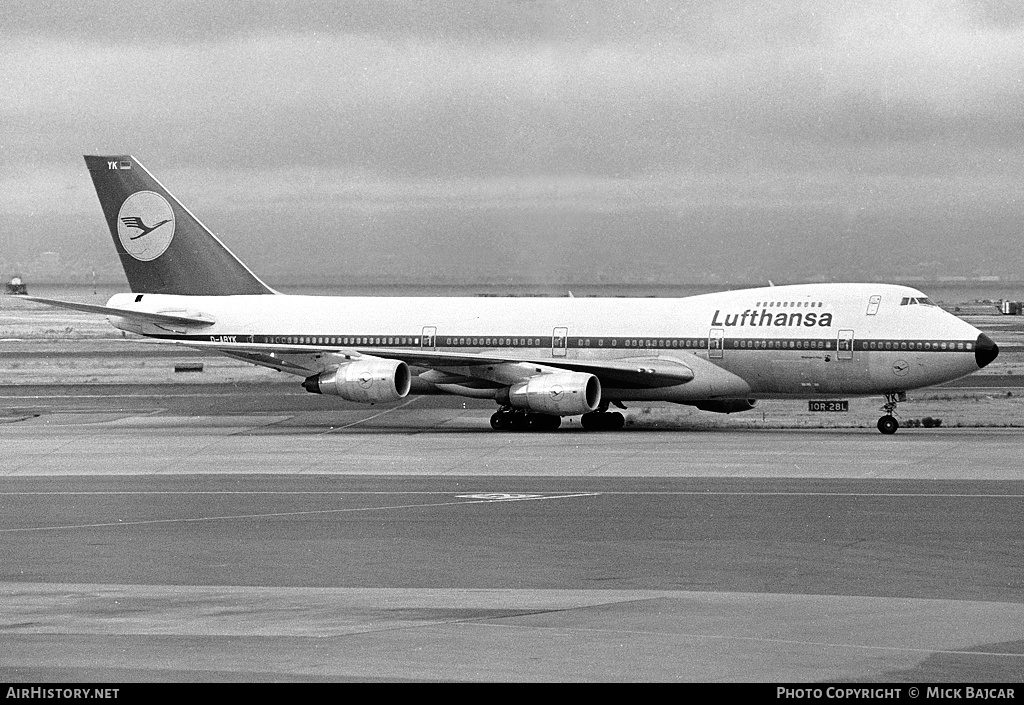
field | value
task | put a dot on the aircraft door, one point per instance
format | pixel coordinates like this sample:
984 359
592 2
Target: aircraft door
844 345
873 304
428 340
716 343
559 342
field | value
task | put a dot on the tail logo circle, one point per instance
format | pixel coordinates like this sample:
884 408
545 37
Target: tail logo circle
145 225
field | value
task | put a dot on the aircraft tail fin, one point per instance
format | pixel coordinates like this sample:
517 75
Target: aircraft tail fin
164 249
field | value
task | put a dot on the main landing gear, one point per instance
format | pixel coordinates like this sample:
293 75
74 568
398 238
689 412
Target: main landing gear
602 421
888 423
517 420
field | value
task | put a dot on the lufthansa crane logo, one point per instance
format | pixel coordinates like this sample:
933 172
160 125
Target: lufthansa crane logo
557 393
144 229
145 225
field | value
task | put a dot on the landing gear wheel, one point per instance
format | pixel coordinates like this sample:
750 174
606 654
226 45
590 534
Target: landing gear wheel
602 421
888 425
546 422
520 422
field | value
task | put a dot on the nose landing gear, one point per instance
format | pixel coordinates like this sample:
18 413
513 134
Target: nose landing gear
888 423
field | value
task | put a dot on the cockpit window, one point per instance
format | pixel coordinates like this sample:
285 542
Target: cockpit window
913 301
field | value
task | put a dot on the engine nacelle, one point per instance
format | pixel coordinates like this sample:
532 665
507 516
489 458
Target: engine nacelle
560 393
366 381
726 406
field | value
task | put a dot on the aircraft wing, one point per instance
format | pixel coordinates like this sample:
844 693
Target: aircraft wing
628 372
170 317
645 373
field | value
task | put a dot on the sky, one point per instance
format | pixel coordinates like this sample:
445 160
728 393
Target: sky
517 142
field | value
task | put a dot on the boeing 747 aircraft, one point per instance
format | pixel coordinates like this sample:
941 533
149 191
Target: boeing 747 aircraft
539 359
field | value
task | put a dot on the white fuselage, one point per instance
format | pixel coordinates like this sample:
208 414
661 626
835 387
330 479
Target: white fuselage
802 341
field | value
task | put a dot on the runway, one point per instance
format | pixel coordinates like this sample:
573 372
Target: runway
161 534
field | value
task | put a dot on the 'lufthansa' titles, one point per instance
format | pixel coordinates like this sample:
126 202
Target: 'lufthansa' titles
776 319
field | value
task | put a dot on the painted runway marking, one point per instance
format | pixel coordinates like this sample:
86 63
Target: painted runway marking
499 495
270 515
370 418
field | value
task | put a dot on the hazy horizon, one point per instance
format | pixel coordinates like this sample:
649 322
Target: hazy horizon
524 142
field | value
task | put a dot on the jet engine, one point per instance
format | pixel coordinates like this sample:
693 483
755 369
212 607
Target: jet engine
368 381
726 406
558 393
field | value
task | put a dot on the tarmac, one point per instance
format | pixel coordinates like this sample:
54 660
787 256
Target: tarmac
184 533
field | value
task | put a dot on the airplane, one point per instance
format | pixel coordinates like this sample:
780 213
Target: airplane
540 359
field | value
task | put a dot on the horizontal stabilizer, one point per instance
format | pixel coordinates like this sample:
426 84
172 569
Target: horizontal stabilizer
177 318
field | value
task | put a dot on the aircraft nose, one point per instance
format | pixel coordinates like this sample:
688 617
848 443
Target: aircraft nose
985 350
